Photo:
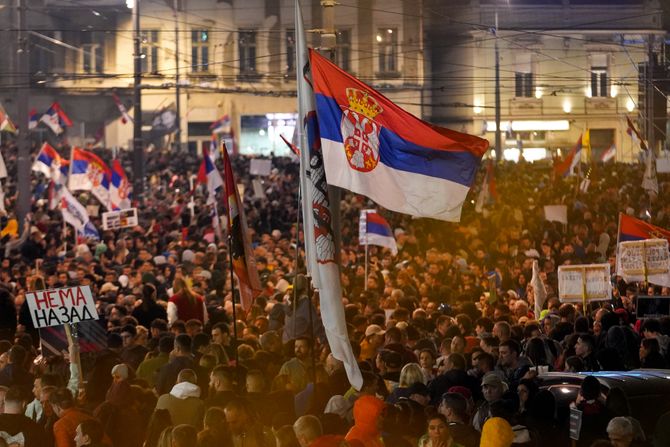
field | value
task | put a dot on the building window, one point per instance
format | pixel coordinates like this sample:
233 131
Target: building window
387 48
290 52
523 85
343 50
92 53
150 51
247 50
523 76
200 50
599 82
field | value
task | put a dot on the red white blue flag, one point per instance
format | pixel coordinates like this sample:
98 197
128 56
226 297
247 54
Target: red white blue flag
373 147
209 175
90 173
375 230
51 164
119 190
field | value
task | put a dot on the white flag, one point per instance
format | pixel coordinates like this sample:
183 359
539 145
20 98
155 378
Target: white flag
539 290
319 240
3 168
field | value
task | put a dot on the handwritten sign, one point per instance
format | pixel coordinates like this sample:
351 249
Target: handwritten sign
113 220
646 260
590 282
575 423
55 307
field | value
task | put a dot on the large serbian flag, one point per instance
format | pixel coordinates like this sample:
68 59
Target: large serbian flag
632 229
373 147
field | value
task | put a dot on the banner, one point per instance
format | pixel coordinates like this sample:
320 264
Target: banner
113 220
556 213
646 260
580 283
260 167
55 307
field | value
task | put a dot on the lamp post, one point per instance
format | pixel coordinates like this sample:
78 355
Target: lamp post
138 147
497 94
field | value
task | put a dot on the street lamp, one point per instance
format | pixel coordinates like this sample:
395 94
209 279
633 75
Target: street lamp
138 147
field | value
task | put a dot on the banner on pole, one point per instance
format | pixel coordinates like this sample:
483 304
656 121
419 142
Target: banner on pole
113 220
646 260
579 283
55 307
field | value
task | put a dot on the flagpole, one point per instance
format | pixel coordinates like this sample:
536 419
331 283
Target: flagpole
67 185
365 280
232 295
297 255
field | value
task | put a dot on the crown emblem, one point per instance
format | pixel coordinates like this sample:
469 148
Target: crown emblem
361 102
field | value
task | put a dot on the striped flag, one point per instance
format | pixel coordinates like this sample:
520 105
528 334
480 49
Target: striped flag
244 264
375 230
609 154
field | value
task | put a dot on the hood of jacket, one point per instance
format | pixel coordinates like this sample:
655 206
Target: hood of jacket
185 390
367 411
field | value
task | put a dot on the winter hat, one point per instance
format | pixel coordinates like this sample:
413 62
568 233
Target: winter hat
496 433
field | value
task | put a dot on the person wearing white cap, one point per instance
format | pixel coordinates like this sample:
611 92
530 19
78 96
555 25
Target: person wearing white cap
373 342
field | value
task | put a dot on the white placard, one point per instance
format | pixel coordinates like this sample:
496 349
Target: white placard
113 220
573 279
260 167
663 165
55 307
646 260
556 213
259 193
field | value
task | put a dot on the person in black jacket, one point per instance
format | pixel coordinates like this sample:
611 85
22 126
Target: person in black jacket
149 310
7 315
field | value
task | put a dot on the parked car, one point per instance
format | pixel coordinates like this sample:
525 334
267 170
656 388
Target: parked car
647 390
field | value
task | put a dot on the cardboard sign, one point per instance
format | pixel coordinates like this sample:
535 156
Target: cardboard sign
55 307
113 220
590 282
260 167
556 213
646 260
259 192
575 423
652 306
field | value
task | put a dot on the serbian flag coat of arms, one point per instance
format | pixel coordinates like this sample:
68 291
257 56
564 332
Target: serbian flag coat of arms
90 173
375 148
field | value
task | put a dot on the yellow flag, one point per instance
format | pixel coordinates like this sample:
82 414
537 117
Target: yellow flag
586 144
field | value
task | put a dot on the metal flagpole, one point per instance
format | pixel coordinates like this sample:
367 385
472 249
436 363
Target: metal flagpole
232 295
365 280
297 257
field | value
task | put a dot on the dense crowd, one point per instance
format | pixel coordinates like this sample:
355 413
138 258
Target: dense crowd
450 349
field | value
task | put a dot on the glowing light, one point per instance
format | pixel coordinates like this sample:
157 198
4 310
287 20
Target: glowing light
379 38
130 4
478 107
538 92
630 104
614 91
587 92
567 106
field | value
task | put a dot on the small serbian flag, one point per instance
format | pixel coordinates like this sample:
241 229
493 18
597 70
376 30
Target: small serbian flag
51 164
119 190
567 167
375 230
222 125
33 119
210 176
632 229
373 147
609 154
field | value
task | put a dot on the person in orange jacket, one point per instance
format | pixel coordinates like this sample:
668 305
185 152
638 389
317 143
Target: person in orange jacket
366 431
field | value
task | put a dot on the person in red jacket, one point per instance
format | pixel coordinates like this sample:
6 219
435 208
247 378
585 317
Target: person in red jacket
69 418
185 304
366 431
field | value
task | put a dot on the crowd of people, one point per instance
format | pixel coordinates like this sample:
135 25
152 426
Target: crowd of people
451 351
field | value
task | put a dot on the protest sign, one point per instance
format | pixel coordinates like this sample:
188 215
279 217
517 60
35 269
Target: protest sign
581 283
54 307
259 192
260 167
575 423
646 260
662 165
113 220
556 213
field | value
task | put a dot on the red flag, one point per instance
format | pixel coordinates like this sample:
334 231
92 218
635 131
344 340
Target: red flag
631 129
632 229
244 264
65 120
295 149
122 109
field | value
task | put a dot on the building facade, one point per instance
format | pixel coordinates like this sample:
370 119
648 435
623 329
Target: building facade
566 67
234 58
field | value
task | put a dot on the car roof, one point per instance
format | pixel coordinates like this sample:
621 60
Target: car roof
636 382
